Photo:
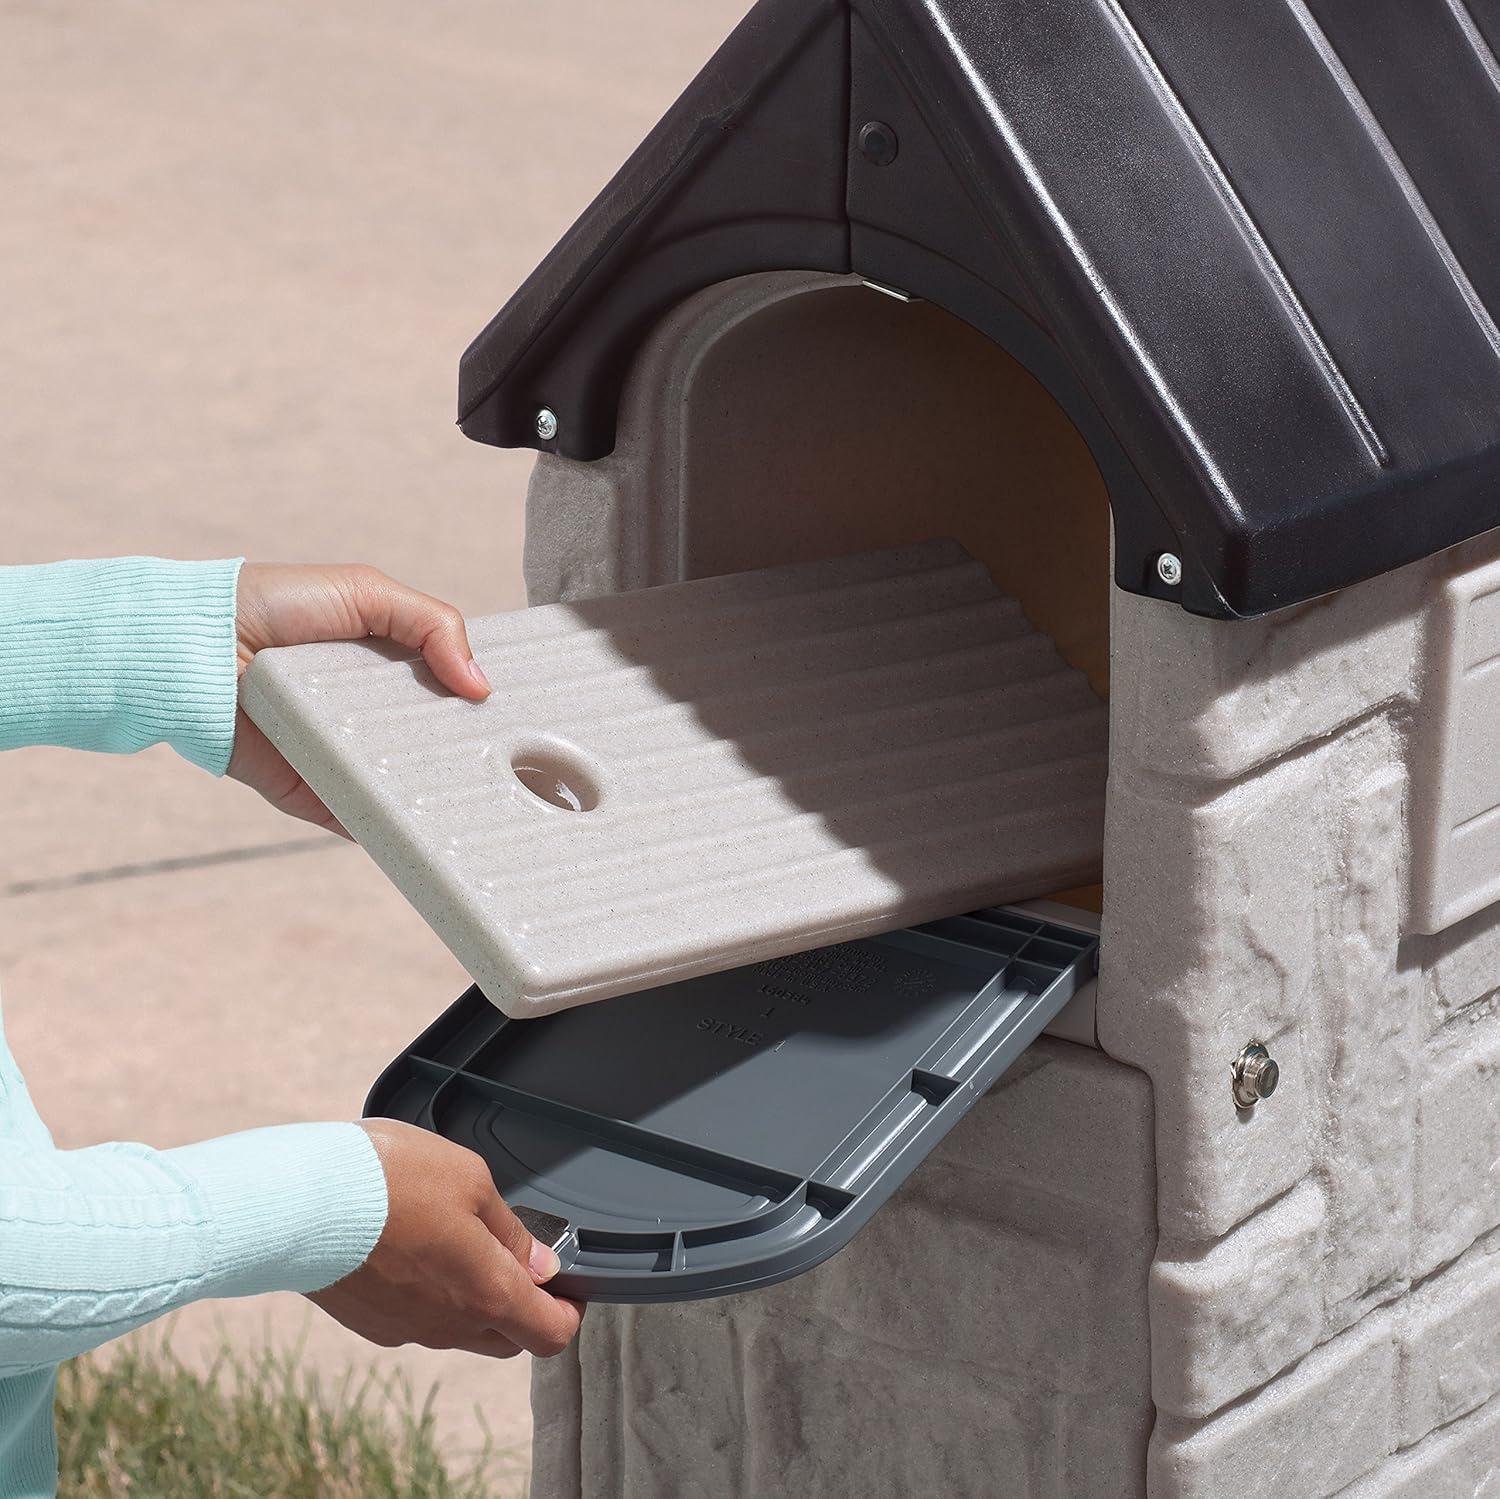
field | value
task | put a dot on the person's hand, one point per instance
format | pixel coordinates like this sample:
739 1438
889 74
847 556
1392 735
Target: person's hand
453 1268
280 604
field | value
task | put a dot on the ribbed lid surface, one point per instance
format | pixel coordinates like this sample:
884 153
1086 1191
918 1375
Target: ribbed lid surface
761 763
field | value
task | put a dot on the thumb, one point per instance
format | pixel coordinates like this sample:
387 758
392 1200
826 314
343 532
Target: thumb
503 1224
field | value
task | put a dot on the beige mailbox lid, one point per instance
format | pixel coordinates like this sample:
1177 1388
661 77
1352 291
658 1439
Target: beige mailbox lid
691 778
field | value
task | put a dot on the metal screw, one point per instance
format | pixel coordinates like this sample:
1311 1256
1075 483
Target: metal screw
1169 569
879 143
1255 1075
546 424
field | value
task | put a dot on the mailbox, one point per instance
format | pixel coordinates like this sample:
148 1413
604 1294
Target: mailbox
1180 318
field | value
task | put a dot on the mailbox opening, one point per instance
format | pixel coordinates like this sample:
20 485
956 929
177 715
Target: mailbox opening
792 417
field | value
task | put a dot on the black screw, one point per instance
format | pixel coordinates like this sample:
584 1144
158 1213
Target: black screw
879 143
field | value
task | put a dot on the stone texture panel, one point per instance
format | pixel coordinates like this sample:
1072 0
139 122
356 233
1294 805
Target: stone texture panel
1181 990
1450 1343
1233 1315
1405 1403
1308 1434
1460 966
1257 887
1268 911
1211 700
1461 1461
1365 1020
1458 1142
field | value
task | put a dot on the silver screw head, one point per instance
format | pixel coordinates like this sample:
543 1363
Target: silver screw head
1169 569
1255 1075
546 424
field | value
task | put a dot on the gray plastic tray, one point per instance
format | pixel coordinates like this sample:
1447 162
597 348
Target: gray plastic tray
731 1131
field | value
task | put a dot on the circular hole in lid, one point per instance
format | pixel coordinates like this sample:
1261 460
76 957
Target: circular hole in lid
558 782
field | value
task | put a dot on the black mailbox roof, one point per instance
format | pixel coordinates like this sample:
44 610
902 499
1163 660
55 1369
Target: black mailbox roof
1254 247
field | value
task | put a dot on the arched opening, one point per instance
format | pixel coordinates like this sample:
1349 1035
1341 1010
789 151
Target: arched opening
842 419
796 416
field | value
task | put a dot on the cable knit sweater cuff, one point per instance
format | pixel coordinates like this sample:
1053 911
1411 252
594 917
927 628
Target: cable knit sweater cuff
294 1207
118 654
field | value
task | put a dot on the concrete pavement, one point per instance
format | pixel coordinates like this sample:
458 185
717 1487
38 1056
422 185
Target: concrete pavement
242 248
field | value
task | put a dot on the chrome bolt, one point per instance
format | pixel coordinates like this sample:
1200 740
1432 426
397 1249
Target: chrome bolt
1169 569
1255 1075
546 424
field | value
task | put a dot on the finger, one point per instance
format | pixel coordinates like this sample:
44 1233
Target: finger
303 803
540 1261
541 1323
393 611
519 1309
256 761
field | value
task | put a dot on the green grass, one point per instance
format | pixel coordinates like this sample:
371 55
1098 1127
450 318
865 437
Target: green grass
139 1422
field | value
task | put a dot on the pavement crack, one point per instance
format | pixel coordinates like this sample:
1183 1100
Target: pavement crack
115 872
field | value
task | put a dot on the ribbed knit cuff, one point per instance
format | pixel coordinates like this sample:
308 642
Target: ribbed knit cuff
118 654
294 1208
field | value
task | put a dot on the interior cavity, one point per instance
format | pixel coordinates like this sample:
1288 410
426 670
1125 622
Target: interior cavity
838 420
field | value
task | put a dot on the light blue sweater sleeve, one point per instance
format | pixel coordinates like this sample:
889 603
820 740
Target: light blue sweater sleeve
95 1242
116 655
119 654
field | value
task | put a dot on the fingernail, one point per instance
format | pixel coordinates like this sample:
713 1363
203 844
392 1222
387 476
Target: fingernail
544 1262
477 672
